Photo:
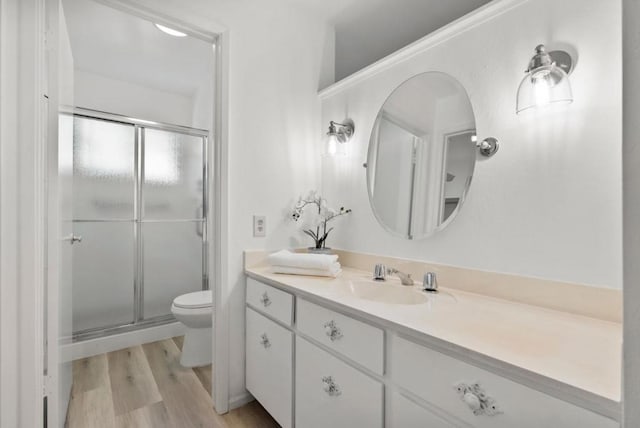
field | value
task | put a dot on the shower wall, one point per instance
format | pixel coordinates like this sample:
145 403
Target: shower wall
139 193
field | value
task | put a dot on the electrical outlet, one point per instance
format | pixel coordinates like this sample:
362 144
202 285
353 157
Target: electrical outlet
259 226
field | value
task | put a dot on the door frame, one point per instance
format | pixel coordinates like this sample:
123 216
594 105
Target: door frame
217 34
23 192
25 141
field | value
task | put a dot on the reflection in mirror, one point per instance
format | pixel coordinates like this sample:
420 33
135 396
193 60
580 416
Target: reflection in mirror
421 155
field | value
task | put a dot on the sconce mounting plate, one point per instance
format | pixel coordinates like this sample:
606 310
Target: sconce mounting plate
562 60
488 147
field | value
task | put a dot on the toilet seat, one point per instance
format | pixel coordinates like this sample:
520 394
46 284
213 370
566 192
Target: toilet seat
195 300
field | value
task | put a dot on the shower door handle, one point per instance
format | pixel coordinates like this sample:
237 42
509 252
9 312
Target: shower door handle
72 238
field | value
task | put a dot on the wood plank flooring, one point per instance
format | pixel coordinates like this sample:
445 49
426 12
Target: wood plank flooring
145 387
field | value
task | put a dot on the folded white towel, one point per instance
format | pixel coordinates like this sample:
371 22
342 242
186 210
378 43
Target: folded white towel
302 260
333 272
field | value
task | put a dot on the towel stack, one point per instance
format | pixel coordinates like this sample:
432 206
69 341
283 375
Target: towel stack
304 264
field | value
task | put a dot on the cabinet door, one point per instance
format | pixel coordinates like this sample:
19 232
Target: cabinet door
407 414
330 393
269 369
481 398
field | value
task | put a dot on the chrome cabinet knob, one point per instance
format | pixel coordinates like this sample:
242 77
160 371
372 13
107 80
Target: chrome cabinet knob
332 331
330 387
264 341
475 397
266 301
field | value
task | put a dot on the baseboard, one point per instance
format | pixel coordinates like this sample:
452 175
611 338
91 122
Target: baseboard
240 400
89 348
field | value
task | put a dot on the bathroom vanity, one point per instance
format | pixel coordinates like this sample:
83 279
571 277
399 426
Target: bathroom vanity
323 352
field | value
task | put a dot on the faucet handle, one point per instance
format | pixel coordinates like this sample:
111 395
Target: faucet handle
380 272
430 282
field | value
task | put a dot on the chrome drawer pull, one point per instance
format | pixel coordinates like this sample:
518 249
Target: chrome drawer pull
475 397
332 331
264 341
266 301
330 387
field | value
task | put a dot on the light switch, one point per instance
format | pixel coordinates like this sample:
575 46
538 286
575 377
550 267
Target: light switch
259 225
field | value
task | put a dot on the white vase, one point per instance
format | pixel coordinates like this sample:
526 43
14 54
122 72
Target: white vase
314 250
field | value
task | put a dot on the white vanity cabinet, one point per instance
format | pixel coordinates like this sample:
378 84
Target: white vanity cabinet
311 365
330 393
269 349
478 397
407 414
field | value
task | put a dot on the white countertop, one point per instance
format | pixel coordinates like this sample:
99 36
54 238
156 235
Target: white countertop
565 349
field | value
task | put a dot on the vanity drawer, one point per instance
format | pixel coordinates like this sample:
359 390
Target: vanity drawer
356 340
269 366
434 376
407 414
330 393
270 301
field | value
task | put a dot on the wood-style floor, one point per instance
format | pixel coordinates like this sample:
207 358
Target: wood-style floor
145 387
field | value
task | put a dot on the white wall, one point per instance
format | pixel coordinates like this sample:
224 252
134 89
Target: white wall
549 203
278 58
129 99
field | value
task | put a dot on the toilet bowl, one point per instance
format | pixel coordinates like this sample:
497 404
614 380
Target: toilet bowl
195 311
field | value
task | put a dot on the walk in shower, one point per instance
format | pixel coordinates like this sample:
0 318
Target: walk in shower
139 221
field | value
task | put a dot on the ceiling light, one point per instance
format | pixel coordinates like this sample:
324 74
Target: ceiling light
170 31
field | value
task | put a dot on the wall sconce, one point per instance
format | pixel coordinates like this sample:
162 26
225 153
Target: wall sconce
338 134
487 147
547 80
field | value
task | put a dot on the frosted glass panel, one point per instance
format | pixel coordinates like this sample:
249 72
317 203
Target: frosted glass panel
103 169
103 274
172 264
173 175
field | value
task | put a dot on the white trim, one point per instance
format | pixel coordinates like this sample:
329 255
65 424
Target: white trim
213 32
240 400
631 212
8 213
220 229
461 25
23 134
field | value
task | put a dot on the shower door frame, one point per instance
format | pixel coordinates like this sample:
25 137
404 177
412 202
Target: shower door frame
139 125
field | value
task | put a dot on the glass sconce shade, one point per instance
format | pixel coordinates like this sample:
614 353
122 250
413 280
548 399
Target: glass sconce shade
545 83
338 135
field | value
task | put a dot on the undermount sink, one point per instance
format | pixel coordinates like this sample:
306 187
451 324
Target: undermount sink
387 293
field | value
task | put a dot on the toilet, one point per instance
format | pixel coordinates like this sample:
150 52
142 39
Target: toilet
195 311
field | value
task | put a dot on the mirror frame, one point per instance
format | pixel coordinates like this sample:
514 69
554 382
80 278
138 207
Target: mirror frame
368 164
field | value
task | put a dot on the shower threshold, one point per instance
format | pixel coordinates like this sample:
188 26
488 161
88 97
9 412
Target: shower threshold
100 332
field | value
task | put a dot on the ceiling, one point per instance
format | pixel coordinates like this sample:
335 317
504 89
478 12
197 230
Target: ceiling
114 44
368 30
118 45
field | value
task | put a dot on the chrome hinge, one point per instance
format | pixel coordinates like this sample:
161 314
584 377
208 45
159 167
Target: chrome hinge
46 385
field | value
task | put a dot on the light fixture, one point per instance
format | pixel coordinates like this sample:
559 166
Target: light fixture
547 80
338 134
487 147
170 31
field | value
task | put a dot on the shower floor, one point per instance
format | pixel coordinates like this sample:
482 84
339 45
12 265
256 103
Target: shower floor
145 386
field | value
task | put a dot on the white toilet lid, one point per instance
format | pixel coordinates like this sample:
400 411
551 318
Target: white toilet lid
198 299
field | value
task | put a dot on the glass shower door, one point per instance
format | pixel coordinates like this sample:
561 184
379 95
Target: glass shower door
172 227
104 171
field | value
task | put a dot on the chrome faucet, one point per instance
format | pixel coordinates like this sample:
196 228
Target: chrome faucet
380 272
430 282
405 278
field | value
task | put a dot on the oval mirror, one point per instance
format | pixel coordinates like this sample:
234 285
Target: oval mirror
422 153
